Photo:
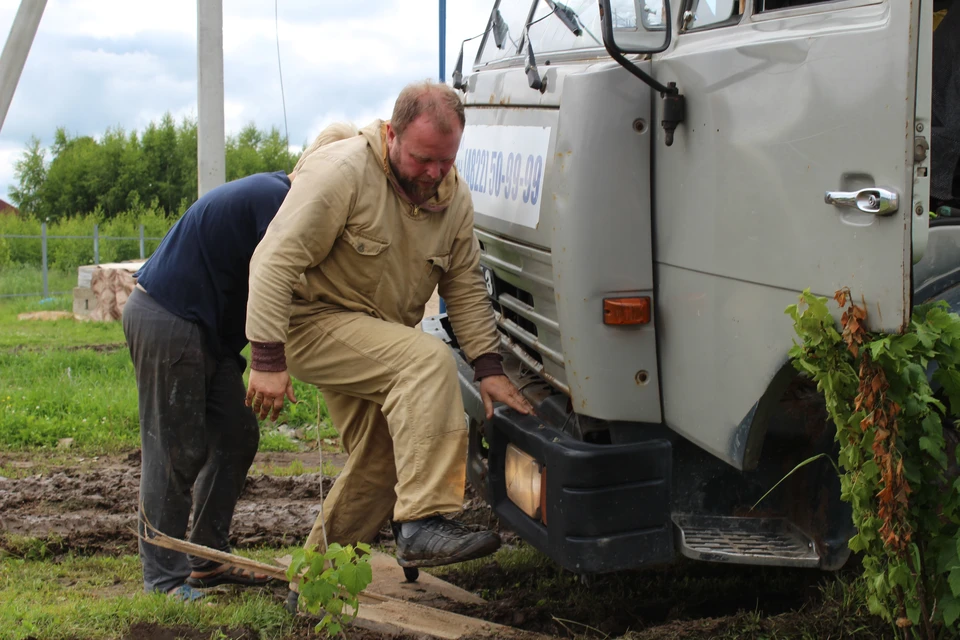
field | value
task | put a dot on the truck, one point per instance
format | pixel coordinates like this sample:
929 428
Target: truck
654 183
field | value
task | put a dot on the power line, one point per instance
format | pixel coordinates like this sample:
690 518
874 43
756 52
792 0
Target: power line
276 26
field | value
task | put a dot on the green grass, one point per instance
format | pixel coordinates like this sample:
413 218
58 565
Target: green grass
29 279
46 334
99 598
52 387
85 395
295 468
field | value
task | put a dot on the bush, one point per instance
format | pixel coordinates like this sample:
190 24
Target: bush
5 259
66 254
899 457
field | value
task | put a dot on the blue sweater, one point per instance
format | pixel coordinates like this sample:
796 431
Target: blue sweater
200 270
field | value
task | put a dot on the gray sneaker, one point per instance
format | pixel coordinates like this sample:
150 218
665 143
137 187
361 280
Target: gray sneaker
439 541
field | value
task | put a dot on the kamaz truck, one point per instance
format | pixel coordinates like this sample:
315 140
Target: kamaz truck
654 183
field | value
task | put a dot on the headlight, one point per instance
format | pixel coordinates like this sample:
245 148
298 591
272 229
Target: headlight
525 482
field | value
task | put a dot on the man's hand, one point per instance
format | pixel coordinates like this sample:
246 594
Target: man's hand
500 389
265 392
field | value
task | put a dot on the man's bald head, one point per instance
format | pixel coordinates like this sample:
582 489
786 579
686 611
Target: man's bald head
436 101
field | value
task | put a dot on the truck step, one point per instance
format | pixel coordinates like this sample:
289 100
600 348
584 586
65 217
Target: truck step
766 541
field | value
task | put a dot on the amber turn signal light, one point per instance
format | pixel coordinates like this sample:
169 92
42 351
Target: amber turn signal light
626 311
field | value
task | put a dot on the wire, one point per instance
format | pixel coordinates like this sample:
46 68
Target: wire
276 26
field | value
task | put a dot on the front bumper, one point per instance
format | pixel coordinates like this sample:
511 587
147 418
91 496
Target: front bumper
607 507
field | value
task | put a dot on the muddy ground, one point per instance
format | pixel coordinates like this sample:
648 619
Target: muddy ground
90 508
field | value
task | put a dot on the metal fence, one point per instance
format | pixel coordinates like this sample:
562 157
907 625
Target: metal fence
44 237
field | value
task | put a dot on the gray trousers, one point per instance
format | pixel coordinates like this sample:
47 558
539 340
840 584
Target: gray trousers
196 434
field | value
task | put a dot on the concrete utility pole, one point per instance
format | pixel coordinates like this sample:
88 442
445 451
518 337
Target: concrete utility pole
211 148
15 51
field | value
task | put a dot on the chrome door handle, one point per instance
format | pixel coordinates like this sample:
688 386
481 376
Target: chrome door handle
875 200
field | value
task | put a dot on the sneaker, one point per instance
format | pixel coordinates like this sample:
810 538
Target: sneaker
439 541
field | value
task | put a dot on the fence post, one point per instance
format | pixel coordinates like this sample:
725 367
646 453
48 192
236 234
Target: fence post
96 244
141 241
43 253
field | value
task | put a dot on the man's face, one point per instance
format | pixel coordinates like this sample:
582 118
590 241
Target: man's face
422 157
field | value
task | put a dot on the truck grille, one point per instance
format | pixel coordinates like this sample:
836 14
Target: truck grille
525 305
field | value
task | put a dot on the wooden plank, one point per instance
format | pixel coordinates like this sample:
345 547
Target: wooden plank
398 616
377 612
388 580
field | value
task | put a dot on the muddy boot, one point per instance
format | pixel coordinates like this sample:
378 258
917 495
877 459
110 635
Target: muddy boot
437 541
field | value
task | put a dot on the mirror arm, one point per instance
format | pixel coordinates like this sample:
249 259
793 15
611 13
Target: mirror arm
674 103
637 71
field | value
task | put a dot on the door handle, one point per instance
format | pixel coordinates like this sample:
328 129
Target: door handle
875 200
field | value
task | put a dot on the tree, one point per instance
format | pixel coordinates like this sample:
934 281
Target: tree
117 172
31 172
253 151
74 180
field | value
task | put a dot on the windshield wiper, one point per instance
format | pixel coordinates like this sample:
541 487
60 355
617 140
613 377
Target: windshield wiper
530 66
500 32
570 19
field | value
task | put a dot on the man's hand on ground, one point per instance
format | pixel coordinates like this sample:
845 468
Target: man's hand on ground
265 392
500 389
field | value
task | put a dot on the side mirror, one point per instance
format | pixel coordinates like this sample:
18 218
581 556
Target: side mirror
636 26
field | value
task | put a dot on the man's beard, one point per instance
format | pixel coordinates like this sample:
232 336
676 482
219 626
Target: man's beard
417 191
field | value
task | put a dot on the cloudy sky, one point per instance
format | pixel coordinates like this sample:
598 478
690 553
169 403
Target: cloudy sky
106 63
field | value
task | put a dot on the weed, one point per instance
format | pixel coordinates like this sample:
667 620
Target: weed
899 467
332 589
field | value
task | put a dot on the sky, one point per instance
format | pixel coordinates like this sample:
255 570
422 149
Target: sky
96 64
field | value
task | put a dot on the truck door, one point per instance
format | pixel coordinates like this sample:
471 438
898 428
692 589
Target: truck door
800 163
796 159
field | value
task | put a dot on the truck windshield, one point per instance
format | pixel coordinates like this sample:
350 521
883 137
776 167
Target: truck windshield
550 25
515 14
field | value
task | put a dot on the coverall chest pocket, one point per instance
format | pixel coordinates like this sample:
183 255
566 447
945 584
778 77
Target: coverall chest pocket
363 261
434 269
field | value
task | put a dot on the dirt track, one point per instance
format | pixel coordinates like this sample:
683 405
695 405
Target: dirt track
91 509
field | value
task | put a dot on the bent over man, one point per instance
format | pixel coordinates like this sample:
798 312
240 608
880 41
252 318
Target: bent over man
376 221
184 325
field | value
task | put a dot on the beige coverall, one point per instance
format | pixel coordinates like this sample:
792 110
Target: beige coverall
349 265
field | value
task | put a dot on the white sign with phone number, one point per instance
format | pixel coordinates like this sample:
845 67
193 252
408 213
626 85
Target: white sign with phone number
504 167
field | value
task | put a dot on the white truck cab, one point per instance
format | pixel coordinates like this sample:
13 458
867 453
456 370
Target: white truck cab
654 182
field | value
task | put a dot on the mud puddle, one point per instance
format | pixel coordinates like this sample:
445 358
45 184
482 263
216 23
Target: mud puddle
93 510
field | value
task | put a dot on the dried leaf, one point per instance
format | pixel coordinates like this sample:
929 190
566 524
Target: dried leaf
841 297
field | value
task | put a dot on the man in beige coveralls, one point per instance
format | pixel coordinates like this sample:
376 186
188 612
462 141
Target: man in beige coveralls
375 221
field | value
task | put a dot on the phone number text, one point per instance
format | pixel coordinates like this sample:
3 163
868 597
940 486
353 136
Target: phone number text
512 176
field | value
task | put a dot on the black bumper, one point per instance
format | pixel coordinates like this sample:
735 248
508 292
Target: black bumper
607 506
